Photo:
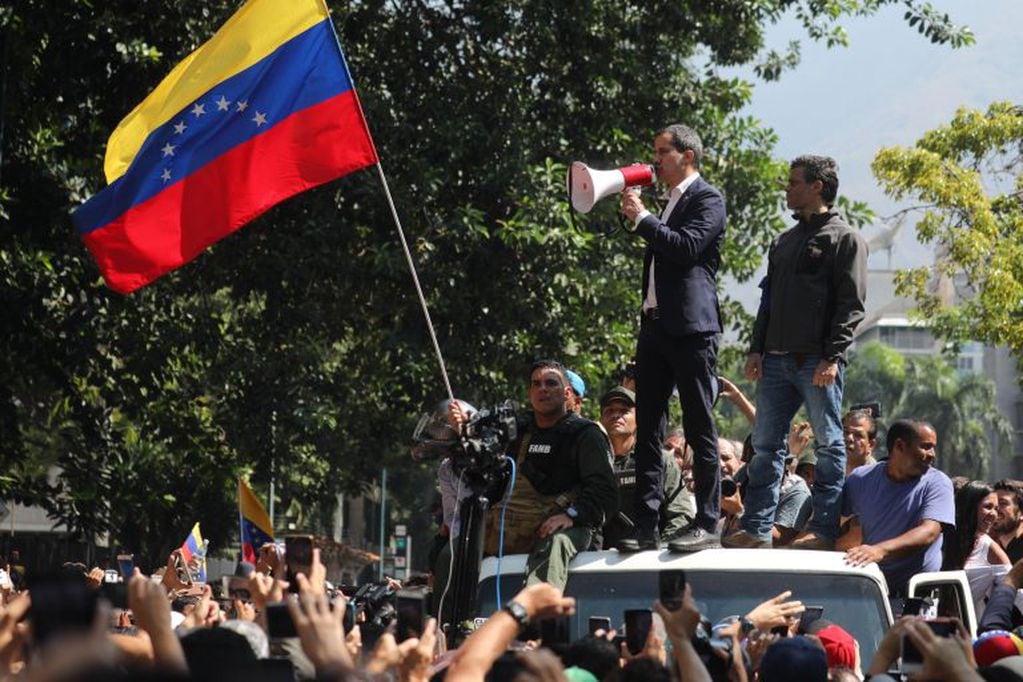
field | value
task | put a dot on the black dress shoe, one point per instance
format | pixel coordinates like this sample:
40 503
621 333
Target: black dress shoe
639 542
695 539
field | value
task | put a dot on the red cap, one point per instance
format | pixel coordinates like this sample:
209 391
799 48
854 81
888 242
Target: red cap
839 646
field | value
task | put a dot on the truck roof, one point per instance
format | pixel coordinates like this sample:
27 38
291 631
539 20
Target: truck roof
735 560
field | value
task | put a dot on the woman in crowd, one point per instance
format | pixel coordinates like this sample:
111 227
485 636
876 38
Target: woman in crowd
969 545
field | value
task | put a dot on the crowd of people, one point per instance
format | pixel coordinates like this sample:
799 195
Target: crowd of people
70 626
566 484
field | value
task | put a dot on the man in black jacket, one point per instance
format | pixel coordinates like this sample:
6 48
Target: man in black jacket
678 336
812 302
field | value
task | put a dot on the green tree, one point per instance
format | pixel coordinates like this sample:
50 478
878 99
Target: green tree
962 408
968 179
297 341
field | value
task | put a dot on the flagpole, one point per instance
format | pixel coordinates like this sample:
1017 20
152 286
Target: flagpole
415 280
394 212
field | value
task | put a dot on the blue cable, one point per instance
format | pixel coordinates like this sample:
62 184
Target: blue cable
500 541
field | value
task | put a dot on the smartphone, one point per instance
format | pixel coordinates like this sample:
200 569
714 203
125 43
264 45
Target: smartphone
914 606
126 565
912 659
411 615
298 556
555 631
278 621
60 604
808 616
351 616
599 623
637 627
671 587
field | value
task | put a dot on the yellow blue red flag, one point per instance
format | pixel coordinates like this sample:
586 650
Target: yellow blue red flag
195 548
256 529
262 111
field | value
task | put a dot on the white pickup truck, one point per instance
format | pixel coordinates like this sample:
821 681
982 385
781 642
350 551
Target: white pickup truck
732 581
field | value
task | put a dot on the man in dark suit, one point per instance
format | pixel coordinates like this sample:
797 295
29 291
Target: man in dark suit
678 336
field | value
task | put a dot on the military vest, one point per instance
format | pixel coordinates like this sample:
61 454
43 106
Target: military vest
541 487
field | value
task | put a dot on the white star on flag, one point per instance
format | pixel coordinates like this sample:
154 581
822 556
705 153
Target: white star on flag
165 176
179 127
168 149
223 104
243 105
199 109
259 119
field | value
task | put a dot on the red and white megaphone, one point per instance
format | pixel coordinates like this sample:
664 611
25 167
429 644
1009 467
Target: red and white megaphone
587 186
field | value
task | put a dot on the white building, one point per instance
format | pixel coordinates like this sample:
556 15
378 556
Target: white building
887 320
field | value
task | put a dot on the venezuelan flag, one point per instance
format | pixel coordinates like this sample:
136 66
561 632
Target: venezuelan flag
264 110
195 547
255 523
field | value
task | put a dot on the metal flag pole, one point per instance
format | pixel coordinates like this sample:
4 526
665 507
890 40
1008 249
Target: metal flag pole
394 212
383 521
415 280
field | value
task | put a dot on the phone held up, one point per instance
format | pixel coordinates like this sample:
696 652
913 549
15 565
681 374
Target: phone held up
599 623
278 621
637 628
809 615
671 587
912 659
298 555
411 614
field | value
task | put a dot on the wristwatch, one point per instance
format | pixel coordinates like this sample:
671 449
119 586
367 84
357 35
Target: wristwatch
746 626
516 611
572 513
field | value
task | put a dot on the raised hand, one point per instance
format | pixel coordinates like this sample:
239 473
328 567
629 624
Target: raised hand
320 627
775 612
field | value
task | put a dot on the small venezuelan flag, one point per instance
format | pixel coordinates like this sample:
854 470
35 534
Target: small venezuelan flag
264 110
194 547
256 529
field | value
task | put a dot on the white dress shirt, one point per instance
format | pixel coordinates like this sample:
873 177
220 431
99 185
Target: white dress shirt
676 193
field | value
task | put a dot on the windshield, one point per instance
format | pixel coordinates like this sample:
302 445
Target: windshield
851 601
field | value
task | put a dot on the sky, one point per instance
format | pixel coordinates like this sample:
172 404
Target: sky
887 88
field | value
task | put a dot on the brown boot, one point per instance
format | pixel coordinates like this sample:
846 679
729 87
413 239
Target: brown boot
740 539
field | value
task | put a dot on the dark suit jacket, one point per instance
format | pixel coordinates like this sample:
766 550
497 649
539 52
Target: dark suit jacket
687 254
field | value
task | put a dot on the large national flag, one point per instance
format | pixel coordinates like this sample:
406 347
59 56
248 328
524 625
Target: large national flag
264 110
195 548
255 523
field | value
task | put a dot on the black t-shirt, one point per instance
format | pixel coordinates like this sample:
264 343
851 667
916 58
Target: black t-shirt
1015 549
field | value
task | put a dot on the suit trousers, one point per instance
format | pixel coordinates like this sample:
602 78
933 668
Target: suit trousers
664 362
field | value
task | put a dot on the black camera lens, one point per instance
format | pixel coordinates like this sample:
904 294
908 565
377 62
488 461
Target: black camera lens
728 487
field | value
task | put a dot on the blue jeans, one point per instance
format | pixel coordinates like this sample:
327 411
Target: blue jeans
785 385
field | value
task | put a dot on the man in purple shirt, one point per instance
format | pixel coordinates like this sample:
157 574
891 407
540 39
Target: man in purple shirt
901 505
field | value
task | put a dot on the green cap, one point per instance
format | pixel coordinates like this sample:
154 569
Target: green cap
618 393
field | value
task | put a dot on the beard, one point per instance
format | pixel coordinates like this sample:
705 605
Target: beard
1005 525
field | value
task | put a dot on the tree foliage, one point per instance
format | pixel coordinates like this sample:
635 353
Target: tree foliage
962 408
298 340
968 179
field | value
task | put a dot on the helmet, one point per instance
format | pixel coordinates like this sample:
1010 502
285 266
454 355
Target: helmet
434 437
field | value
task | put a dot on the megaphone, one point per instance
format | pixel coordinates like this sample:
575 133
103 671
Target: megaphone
587 186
